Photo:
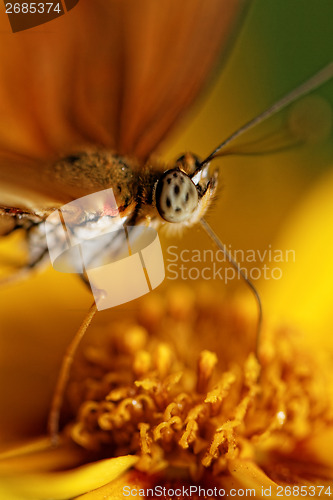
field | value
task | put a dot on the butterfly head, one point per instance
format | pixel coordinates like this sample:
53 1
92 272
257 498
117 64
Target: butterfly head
183 193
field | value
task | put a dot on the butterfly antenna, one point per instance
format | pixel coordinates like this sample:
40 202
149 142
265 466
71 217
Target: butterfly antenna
63 377
314 82
236 266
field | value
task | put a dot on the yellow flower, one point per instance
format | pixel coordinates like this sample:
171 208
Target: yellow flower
172 409
147 391
173 394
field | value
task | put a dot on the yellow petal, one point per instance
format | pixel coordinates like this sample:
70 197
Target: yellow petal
68 484
36 445
250 476
39 455
123 487
303 295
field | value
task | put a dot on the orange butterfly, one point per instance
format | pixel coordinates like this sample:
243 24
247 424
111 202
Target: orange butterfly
110 79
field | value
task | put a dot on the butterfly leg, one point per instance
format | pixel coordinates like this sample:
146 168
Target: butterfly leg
27 221
63 377
12 218
64 374
15 222
249 283
18 212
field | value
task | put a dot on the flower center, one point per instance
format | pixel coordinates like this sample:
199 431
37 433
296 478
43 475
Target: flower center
179 385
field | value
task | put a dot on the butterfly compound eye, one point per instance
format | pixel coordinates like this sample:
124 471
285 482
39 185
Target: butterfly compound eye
176 196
